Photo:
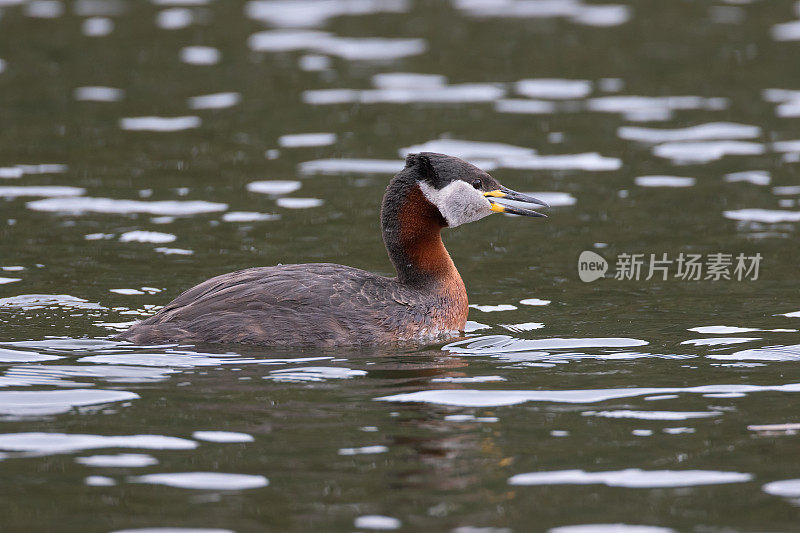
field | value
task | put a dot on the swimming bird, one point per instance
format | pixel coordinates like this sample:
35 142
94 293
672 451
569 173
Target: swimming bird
324 304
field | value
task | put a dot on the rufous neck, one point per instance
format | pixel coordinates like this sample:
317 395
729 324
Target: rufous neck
412 233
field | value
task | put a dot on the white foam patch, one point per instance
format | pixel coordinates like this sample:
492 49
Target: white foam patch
287 40
408 80
554 88
631 478
525 107
67 344
473 379
534 301
591 161
378 522
15 191
248 216
756 177
301 140
330 96
470 149
524 326
53 375
121 460
646 108
599 15
722 330
314 373
775 427
97 26
765 216
47 301
40 403
793 314
787 190
786 31
610 528
43 168
726 330
127 292
310 13
274 186
115 326
4 280
348 48
99 481
653 415
786 146
501 344
776 96
678 430
45 9
373 48
772 353
497 398
725 395
471 326
314 63
351 166
701 132
98 236
222 436
183 359
147 236
215 101
18 356
165 124
87 204
720 341
173 251
299 203
661 397
449 94
471 418
459 93
364 450
493 308
705 151
98 94
788 488
203 480
200 55
554 199
664 181
175 18
11 172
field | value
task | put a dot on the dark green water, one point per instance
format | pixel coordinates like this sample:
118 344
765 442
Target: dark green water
683 452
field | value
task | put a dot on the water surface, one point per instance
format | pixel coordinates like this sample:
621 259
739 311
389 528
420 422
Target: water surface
146 147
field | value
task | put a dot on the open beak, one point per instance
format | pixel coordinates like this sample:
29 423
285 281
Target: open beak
508 194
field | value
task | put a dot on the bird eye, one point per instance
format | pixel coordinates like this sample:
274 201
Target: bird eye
477 183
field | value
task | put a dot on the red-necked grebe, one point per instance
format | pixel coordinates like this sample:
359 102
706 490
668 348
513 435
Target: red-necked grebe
325 304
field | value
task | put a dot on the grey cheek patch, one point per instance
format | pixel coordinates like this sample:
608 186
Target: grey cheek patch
458 202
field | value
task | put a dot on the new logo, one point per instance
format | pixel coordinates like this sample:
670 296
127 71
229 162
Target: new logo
591 266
